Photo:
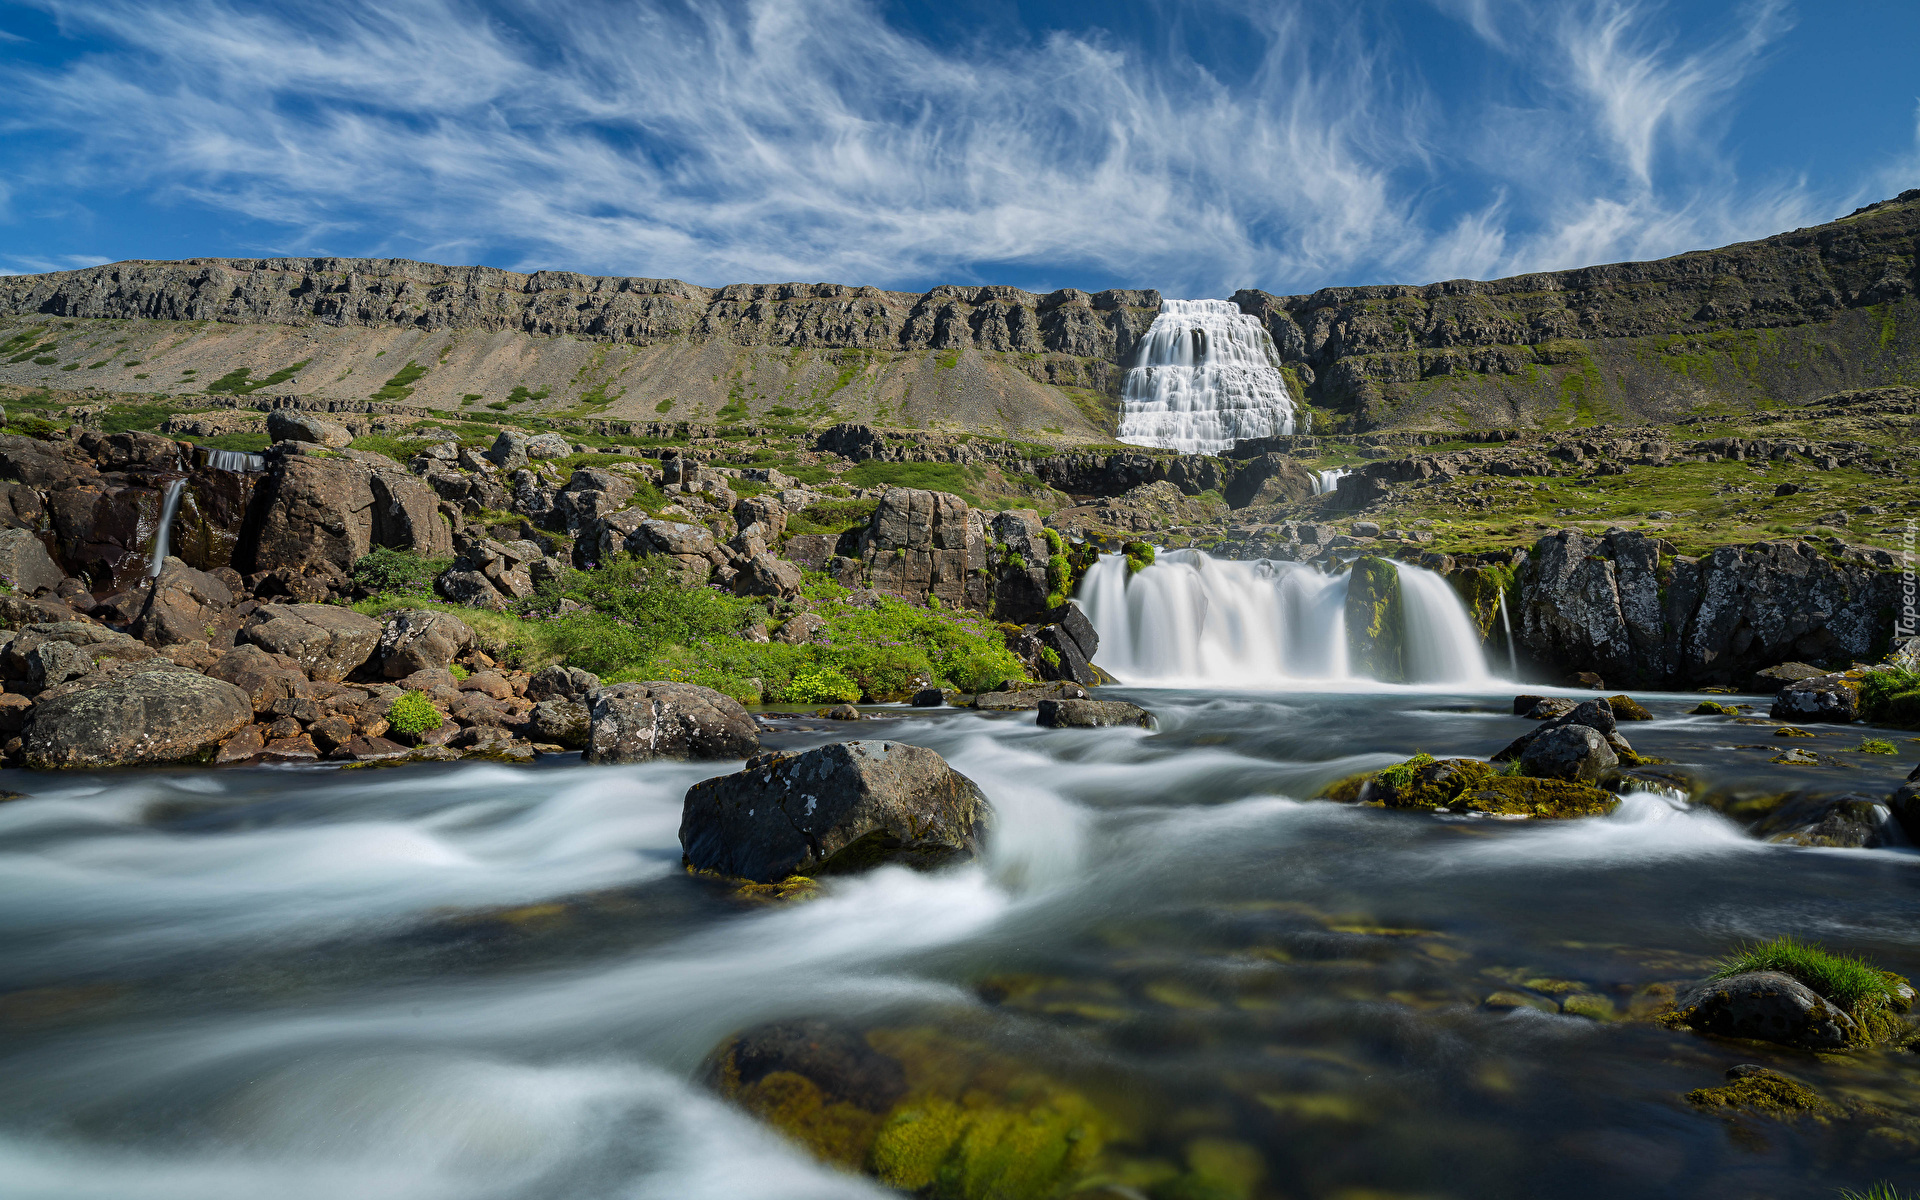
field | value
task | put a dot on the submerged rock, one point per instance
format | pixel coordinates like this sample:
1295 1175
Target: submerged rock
923 1110
639 722
1755 1089
1091 714
1469 785
843 807
133 714
1768 1006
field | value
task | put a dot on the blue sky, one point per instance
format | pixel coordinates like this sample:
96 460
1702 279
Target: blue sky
1195 147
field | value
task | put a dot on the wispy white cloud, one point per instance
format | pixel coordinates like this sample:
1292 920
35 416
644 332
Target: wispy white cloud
811 139
34 265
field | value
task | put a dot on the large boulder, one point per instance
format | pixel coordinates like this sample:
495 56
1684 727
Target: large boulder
844 807
25 565
318 516
509 450
182 606
548 445
1768 682
1571 752
286 426
133 714
264 677
1768 1006
328 641
765 575
1831 699
419 639
639 722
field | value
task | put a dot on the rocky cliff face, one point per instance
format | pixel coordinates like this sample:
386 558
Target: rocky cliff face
1786 318
1627 608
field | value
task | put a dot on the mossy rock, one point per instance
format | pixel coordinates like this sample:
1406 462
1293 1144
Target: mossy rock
1347 790
1759 1091
1712 708
1376 637
925 1110
1626 708
1467 784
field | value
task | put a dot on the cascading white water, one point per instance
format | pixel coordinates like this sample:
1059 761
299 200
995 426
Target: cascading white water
1207 375
1194 619
1329 479
1506 627
236 460
161 536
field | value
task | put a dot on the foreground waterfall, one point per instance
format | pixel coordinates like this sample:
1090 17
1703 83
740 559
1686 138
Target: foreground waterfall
169 505
1207 375
1191 618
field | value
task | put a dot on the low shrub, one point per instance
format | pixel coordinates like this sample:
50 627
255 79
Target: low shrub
385 572
412 713
818 685
1891 697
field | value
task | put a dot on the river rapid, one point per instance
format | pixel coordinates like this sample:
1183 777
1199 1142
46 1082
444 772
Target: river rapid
478 981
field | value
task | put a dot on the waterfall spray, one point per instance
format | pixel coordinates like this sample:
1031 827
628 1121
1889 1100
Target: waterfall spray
1207 375
236 460
1513 659
162 535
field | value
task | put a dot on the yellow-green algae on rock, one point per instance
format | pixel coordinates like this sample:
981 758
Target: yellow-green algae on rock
1424 782
921 1109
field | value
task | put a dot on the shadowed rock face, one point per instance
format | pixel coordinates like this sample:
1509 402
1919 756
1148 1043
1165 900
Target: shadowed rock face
844 807
1769 1006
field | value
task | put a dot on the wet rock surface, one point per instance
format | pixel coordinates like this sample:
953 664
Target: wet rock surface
1768 1006
1091 714
844 807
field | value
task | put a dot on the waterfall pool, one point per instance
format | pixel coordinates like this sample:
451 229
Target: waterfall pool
472 981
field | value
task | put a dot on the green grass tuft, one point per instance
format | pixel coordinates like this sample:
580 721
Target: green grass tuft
1852 983
412 713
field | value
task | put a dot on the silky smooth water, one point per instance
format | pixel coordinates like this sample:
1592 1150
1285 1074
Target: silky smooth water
479 981
1194 619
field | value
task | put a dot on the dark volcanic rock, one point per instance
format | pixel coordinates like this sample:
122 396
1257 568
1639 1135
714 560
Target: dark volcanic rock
1768 1006
134 714
25 564
1830 699
843 807
419 639
638 722
1029 698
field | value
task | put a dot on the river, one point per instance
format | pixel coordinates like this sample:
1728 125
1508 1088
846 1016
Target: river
477 981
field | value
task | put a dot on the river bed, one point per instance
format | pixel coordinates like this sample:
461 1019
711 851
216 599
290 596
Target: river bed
481 981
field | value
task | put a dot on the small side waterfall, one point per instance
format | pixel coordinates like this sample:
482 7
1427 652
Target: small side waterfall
1207 375
163 535
236 460
1506 627
1329 479
1194 619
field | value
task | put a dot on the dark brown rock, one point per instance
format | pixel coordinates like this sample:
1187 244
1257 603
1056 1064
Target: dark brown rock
328 641
1091 714
131 714
1768 1006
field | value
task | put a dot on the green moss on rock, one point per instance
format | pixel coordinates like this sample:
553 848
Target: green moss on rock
1376 636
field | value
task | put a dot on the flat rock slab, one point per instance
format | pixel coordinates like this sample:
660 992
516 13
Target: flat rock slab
1091 714
841 808
639 722
1029 699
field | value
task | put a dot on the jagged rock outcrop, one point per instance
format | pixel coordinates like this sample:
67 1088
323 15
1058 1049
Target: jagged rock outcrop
1625 607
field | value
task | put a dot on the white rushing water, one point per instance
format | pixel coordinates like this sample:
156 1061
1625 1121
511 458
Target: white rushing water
161 536
1194 619
1329 479
236 460
1207 374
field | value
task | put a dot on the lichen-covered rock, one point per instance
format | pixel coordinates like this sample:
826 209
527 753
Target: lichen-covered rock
135 713
262 676
844 807
639 722
1769 681
419 639
562 683
1571 752
328 641
1768 1006
25 565
765 575
1832 699
567 723
1469 785
1626 708
1091 714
